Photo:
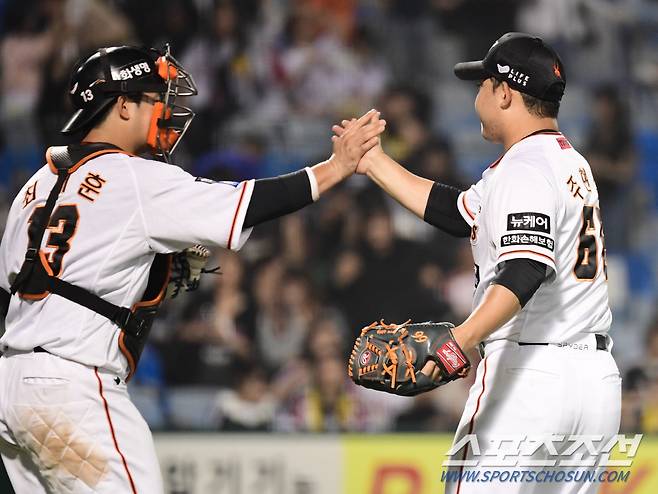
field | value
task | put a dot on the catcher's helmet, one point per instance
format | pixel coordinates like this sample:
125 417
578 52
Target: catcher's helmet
111 72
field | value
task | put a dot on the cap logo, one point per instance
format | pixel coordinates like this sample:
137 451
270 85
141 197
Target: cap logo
503 69
518 77
556 71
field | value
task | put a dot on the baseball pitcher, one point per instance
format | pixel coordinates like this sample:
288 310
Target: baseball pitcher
540 310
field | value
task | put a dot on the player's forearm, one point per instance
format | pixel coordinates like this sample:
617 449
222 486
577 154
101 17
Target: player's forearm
408 189
329 173
277 196
498 306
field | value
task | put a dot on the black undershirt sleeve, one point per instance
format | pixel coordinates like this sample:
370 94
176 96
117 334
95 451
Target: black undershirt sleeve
441 210
277 196
523 277
4 302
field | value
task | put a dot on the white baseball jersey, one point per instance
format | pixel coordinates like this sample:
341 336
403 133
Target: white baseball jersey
115 213
539 201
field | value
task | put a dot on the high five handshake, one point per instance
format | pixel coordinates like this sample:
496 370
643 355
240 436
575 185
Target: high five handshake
349 147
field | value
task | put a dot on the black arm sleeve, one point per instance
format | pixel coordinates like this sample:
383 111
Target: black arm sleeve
276 196
523 277
4 302
441 210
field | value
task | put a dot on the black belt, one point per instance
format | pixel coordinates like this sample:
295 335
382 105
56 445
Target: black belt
601 340
36 349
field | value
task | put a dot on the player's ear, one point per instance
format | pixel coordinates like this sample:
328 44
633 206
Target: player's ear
122 106
504 95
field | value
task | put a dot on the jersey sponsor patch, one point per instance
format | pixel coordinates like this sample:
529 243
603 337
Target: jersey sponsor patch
536 222
527 239
130 71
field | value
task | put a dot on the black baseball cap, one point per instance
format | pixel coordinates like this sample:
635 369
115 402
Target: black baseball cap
525 62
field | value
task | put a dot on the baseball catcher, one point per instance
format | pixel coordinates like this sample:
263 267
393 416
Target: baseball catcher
391 357
93 244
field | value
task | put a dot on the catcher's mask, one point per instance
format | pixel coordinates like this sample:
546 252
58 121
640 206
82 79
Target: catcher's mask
126 70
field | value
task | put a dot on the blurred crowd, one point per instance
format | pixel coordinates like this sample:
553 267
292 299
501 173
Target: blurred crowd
263 345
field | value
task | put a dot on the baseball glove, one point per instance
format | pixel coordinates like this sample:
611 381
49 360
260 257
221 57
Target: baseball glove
389 357
187 268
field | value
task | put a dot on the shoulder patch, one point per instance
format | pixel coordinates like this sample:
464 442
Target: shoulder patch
529 221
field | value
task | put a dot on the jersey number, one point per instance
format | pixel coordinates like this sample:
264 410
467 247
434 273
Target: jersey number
62 226
587 262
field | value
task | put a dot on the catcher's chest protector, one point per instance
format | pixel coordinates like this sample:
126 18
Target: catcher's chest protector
36 280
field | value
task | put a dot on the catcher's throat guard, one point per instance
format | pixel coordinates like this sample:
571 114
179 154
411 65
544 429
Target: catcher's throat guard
389 357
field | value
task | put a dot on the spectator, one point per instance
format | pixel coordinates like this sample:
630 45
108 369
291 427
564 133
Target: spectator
328 338
634 389
460 285
650 393
218 58
216 334
282 320
248 408
27 44
327 404
424 415
317 69
79 28
407 113
611 153
240 162
383 264
650 405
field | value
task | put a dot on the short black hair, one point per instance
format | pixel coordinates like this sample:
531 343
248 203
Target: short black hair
535 106
105 112
101 116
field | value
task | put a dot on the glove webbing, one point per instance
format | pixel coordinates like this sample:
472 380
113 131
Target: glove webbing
392 368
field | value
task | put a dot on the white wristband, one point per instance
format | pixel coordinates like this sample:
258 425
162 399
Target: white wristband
315 191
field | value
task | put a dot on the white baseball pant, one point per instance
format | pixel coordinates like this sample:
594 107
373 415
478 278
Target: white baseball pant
537 391
70 428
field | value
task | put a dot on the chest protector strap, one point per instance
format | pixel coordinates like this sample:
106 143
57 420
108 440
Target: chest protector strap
36 280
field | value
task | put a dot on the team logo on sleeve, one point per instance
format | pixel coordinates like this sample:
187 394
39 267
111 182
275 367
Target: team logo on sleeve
30 194
527 239
210 181
205 180
535 222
